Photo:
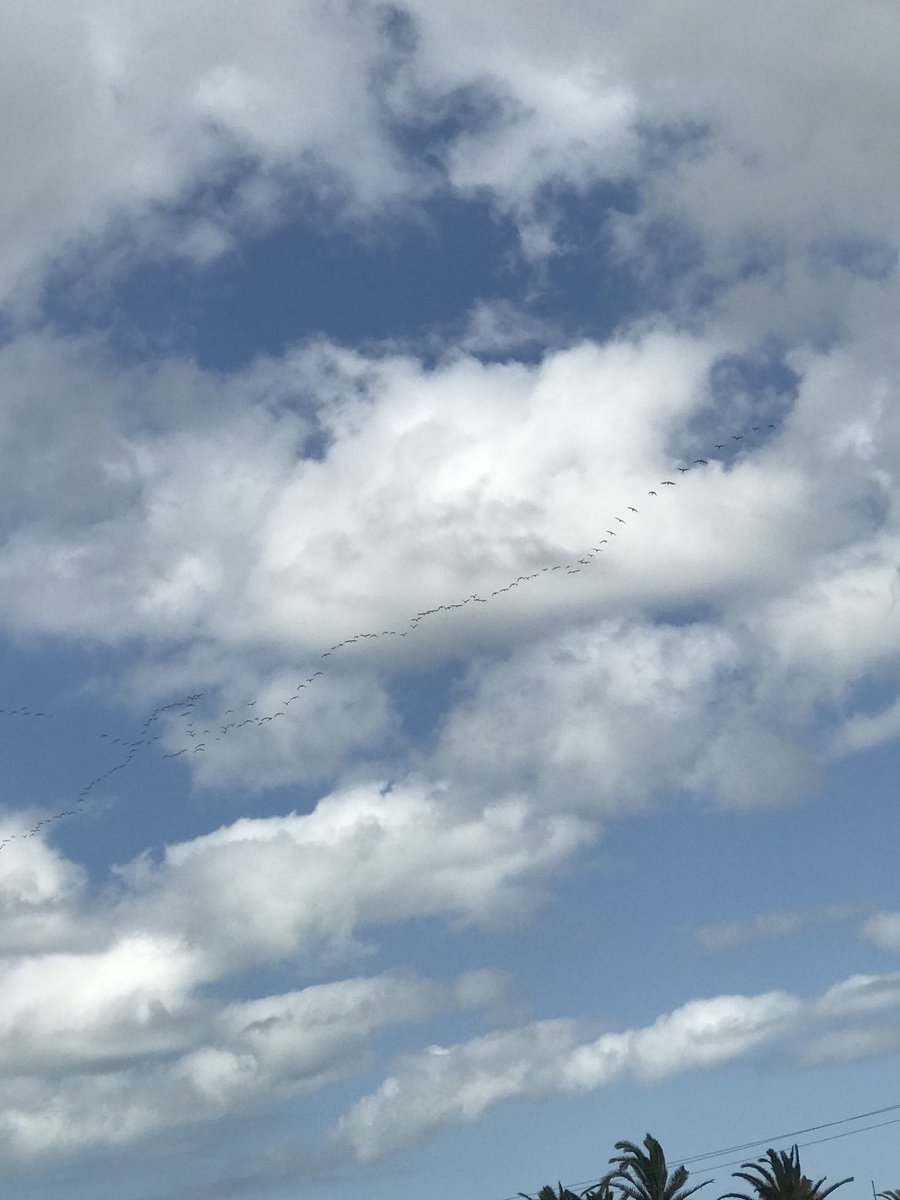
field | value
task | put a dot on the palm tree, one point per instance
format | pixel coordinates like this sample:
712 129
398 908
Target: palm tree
600 1192
782 1179
893 1194
640 1176
547 1193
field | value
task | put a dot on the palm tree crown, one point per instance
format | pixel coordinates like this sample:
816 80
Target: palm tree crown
893 1194
640 1176
782 1179
600 1191
547 1193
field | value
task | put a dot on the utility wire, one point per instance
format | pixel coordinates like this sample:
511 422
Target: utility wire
876 1112
816 1141
777 1137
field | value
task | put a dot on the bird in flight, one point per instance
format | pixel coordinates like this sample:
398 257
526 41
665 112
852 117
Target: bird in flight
619 519
720 445
612 533
630 509
683 470
701 462
667 483
737 437
653 493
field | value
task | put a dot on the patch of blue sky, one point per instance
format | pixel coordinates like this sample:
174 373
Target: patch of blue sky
423 698
761 373
407 275
56 754
755 388
291 283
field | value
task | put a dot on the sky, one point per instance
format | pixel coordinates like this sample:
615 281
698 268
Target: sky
450 557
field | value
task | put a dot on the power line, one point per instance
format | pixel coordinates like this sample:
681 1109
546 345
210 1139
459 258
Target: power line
833 1137
772 1138
876 1112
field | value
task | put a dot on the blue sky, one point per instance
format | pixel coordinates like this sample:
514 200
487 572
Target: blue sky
407 791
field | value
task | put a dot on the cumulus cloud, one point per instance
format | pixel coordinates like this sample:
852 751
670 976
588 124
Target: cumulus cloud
306 736
208 528
238 526
591 717
112 1029
516 105
41 893
226 1059
366 856
118 111
224 525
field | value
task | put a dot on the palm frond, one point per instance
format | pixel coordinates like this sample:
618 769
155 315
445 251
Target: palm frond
642 1174
777 1176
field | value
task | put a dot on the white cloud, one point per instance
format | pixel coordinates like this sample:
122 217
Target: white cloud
204 528
116 109
285 735
591 718
426 1091
110 1032
227 1059
860 994
883 929
40 894
66 1012
456 1083
717 649
264 889
864 732
853 1045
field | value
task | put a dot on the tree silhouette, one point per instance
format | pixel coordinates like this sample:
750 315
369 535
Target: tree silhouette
640 1176
893 1194
547 1193
600 1191
781 1179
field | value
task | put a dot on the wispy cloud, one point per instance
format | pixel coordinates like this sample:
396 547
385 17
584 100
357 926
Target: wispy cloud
458 1083
727 935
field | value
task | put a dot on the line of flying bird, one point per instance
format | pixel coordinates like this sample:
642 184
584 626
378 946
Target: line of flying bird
187 705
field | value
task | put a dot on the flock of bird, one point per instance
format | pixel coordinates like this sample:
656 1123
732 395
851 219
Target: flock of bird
187 706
